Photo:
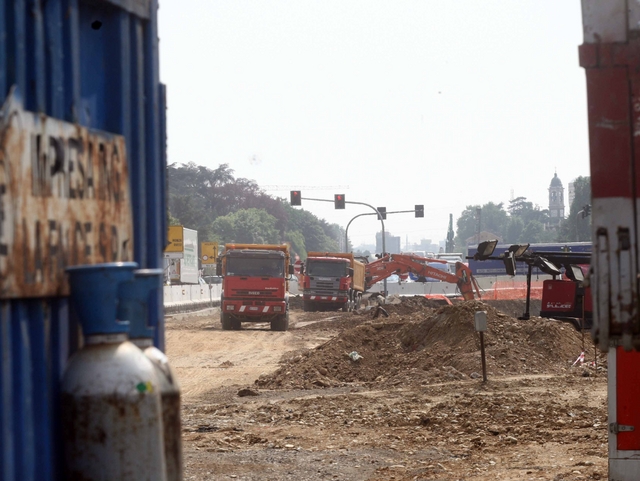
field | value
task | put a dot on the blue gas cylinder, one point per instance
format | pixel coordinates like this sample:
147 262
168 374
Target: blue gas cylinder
134 297
110 406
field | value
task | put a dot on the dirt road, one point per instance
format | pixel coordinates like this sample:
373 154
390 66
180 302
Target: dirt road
406 411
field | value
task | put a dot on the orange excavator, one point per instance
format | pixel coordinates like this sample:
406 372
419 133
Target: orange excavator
402 264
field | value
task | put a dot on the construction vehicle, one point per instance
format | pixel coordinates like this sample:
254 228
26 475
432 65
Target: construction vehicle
402 264
332 280
255 285
568 298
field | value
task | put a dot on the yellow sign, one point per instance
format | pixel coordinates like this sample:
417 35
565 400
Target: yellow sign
175 248
209 252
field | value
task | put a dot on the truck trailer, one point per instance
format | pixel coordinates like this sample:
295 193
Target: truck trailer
255 280
331 281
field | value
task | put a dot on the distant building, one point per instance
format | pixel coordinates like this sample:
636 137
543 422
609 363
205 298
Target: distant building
556 201
392 243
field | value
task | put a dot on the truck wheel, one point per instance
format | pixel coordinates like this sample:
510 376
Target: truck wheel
306 306
226 322
236 324
281 323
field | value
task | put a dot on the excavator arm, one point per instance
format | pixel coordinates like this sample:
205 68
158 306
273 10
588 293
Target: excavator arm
406 264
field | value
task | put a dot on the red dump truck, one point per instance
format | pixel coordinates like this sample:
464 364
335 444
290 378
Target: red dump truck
255 285
332 280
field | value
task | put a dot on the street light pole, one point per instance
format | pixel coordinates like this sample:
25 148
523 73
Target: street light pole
384 249
346 231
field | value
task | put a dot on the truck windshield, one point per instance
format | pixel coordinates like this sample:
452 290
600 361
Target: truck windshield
255 266
326 269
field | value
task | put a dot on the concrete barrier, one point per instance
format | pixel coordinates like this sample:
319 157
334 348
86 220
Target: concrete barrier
185 298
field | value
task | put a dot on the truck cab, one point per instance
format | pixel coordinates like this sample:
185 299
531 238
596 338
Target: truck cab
332 281
254 286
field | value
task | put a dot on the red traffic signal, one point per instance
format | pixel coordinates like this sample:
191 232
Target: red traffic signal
338 200
296 197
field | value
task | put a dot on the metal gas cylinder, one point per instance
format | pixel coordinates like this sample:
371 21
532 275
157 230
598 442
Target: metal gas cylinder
111 408
134 296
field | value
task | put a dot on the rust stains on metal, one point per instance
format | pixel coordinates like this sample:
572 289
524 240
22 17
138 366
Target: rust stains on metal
64 201
172 427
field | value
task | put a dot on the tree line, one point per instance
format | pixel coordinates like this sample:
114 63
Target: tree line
523 222
223 209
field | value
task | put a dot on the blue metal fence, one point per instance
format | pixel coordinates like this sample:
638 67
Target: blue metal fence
94 63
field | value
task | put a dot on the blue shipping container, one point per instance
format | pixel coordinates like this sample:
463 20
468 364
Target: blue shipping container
92 63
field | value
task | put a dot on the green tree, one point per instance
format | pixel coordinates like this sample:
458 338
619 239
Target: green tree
532 232
466 226
205 200
521 208
296 241
493 218
514 230
577 227
247 226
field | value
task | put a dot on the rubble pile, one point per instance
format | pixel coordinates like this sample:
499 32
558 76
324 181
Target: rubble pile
418 345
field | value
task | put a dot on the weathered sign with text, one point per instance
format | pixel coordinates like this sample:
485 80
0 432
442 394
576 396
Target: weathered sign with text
64 201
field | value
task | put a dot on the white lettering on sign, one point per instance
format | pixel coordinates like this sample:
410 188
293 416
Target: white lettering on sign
64 201
559 305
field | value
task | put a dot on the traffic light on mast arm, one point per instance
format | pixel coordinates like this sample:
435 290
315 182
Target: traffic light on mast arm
383 213
296 197
338 200
419 210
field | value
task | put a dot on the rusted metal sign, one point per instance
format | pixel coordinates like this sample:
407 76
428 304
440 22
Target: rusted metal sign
64 201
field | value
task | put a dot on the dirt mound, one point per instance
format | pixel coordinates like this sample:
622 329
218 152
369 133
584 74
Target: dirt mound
296 302
427 345
515 308
409 305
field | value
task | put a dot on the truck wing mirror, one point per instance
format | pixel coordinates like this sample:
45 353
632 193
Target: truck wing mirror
291 269
350 271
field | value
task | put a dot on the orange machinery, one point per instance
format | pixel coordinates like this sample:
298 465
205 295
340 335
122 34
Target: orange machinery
401 264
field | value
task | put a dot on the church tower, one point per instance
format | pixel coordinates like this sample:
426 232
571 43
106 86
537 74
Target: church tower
556 200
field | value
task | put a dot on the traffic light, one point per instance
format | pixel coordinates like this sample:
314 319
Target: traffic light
383 213
419 211
338 200
296 197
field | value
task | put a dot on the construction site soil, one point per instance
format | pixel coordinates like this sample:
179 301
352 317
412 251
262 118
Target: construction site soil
394 394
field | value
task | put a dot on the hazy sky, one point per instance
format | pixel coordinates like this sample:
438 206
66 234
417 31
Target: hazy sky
393 103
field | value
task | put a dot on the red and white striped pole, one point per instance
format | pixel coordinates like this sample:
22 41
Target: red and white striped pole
610 56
